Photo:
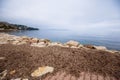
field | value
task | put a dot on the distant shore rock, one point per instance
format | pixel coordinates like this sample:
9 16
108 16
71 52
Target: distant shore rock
20 40
5 26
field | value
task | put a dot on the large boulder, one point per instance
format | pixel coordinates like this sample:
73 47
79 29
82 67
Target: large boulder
72 43
100 47
42 71
89 46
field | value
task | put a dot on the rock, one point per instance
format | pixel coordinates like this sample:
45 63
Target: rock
100 47
89 46
15 42
112 51
21 43
25 79
73 47
40 44
64 45
45 40
12 72
3 42
1 58
55 44
3 74
34 40
72 43
16 79
80 46
34 44
24 38
42 71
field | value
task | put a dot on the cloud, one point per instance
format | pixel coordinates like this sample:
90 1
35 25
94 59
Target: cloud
68 14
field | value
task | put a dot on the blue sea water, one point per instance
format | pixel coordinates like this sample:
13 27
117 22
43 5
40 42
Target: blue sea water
111 41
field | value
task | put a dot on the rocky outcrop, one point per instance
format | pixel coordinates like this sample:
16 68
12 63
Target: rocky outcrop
20 40
42 71
5 26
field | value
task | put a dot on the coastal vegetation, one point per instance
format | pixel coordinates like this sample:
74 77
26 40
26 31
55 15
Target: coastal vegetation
5 26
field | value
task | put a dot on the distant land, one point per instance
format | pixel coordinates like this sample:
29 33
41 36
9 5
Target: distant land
5 26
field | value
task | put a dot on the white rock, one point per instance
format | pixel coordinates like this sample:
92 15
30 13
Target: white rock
40 44
100 47
80 46
42 71
72 43
112 51
3 42
24 37
16 79
44 40
15 42
25 79
34 40
21 43
73 47
55 44
1 58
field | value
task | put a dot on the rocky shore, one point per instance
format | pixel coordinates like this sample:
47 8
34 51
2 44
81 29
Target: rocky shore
20 40
26 58
5 26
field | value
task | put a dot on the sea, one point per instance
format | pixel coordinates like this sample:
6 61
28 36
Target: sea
111 41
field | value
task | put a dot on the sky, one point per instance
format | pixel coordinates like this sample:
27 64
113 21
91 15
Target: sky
77 15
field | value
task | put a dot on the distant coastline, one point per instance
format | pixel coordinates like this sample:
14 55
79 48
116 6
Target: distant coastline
5 26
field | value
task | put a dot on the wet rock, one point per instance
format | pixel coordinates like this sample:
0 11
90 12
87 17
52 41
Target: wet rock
72 43
42 71
89 46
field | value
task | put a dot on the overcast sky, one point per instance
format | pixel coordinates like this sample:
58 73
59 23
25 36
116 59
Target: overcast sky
63 14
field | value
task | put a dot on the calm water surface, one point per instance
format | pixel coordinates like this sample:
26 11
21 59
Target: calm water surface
111 41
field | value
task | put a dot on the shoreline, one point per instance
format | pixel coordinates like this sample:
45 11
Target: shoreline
6 38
